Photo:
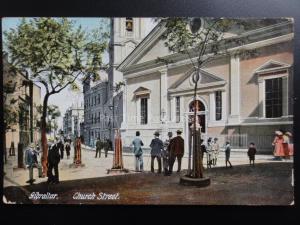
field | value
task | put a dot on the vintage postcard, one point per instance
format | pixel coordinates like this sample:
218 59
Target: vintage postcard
131 111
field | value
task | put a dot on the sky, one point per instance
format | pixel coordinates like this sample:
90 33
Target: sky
66 98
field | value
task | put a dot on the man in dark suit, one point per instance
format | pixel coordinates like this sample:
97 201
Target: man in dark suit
53 161
176 151
157 147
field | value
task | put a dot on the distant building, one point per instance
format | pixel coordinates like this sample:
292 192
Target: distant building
96 121
28 96
71 121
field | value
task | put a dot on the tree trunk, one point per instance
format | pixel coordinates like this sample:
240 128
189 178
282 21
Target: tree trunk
44 136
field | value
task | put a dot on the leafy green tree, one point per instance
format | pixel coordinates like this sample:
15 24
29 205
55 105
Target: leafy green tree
57 54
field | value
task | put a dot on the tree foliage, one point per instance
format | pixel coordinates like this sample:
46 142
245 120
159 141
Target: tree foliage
54 52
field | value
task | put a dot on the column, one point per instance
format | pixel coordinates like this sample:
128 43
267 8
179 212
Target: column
182 109
163 91
212 106
173 109
234 89
285 95
224 104
124 123
261 98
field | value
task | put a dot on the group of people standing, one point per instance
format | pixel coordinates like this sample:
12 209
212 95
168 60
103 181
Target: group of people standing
106 145
164 152
56 150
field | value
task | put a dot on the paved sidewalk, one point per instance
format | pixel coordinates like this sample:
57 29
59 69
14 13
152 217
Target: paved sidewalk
97 167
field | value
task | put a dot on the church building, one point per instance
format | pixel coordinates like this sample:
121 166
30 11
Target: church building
240 98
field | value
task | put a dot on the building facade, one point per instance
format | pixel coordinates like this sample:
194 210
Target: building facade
27 96
241 99
71 121
104 115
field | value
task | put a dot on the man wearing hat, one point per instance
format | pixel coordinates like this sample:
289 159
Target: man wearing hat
156 150
216 149
31 162
53 161
176 151
166 154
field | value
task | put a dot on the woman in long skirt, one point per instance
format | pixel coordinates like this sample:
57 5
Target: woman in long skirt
278 143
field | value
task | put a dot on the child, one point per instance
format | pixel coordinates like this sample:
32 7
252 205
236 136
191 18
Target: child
251 152
227 154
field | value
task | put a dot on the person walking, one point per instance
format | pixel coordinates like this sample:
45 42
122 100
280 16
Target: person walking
227 154
166 154
138 152
156 148
68 149
176 151
12 149
98 147
107 146
216 150
53 161
251 153
61 147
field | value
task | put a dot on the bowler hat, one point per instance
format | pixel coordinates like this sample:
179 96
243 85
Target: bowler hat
156 133
170 134
178 131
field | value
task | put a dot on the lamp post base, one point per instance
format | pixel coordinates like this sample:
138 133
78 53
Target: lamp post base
192 181
76 165
117 171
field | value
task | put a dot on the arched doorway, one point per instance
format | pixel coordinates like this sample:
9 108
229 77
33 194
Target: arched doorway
200 110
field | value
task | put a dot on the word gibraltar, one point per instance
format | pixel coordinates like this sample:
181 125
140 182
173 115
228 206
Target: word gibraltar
38 195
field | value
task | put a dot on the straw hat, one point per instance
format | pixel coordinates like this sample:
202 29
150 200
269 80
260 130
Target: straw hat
31 145
288 134
277 132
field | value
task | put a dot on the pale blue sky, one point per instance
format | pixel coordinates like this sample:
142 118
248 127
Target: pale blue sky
66 98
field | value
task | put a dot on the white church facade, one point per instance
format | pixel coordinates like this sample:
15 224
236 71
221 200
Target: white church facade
241 99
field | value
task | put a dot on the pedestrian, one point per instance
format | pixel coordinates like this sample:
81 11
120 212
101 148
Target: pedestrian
156 148
202 148
251 153
138 152
166 154
68 149
31 162
98 147
290 143
61 147
12 149
53 161
209 152
216 150
286 144
176 151
278 145
227 154
77 151
107 146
